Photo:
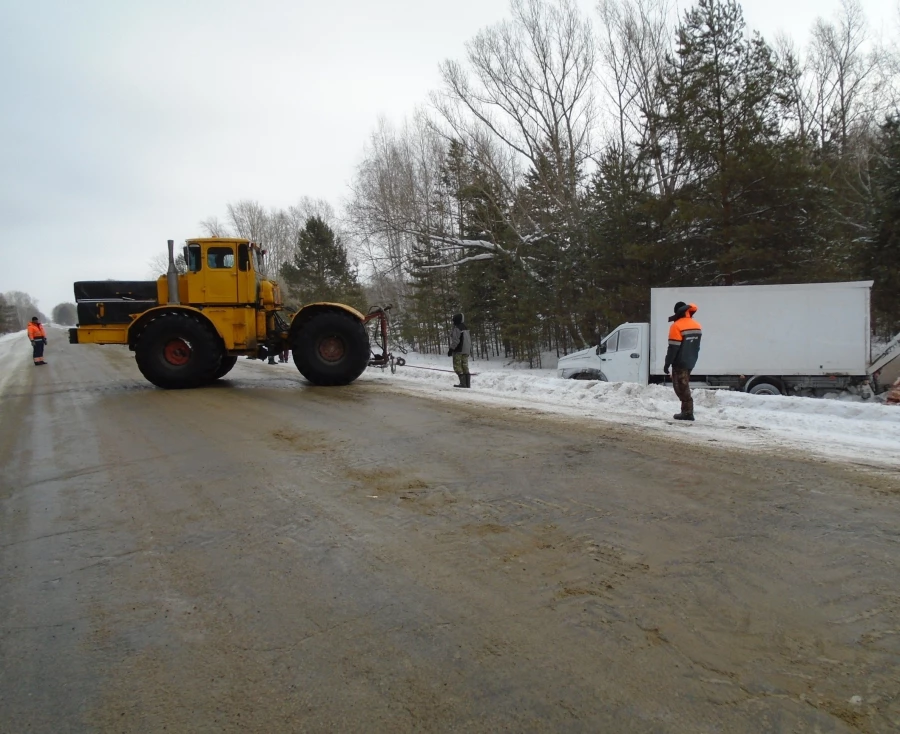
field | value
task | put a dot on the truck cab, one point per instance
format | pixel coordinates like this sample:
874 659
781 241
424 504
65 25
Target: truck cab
622 356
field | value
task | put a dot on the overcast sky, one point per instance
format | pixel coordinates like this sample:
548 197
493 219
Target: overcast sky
126 122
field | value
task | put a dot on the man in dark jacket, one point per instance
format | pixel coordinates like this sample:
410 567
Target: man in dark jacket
460 349
684 349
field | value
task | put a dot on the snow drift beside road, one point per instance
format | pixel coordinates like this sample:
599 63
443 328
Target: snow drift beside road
845 428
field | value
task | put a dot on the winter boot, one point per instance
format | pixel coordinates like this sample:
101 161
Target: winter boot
683 416
468 380
462 380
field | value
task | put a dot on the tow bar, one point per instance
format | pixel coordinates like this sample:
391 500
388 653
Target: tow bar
386 359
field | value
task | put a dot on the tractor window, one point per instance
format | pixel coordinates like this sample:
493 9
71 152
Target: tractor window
219 258
258 261
243 257
192 253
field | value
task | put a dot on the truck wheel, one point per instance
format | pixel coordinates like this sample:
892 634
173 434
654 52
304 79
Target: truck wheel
176 351
225 366
765 388
589 376
332 348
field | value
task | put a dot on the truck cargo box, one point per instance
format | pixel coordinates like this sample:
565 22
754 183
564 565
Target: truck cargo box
809 329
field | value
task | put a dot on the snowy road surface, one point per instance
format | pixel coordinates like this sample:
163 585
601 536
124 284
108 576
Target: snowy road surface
266 556
844 428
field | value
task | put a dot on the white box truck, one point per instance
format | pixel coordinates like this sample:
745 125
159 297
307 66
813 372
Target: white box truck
765 339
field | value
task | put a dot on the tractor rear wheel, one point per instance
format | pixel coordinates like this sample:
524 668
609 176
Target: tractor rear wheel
332 348
225 366
176 351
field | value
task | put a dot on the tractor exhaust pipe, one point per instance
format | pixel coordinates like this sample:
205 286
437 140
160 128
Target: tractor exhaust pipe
172 275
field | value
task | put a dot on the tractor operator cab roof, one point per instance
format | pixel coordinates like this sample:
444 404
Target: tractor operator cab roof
223 257
224 240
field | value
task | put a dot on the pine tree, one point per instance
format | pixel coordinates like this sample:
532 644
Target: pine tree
628 255
320 269
432 297
742 208
480 287
878 256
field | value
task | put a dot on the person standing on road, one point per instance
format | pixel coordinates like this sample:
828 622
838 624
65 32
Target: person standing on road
38 338
460 349
684 349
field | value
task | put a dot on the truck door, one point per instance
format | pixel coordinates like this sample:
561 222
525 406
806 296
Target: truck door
622 359
220 275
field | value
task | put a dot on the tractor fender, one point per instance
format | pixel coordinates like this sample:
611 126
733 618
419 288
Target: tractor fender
138 325
311 309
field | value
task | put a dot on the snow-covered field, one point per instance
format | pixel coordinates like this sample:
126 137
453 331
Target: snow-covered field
843 428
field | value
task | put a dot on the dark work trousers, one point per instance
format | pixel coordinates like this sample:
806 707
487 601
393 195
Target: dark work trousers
681 381
38 349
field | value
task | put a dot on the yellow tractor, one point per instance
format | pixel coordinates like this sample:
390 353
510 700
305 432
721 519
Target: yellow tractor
188 329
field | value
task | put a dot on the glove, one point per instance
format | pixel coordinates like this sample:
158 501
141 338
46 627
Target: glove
666 370
450 353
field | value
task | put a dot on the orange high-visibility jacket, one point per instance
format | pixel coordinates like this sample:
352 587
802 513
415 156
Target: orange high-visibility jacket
684 341
36 331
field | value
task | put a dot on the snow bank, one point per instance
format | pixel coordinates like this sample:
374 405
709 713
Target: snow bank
15 352
844 428
15 335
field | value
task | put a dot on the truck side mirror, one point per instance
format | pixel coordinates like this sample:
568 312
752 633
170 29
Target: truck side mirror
601 349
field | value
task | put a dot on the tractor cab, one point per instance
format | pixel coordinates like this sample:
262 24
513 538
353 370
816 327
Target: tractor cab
220 271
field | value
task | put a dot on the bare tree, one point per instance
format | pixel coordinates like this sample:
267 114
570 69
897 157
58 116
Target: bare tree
392 194
788 59
528 82
634 39
159 264
21 307
842 69
248 219
214 227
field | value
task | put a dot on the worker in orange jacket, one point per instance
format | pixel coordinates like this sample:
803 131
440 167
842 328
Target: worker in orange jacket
684 349
38 338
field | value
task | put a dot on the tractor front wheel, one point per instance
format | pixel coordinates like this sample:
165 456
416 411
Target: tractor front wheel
177 351
331 348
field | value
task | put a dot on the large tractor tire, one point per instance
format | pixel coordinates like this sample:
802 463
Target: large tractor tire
332 348
177 351
225 366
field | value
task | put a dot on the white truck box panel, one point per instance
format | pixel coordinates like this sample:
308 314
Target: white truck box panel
809 329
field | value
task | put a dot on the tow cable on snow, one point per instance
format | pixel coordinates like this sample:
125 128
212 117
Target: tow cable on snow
433 369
